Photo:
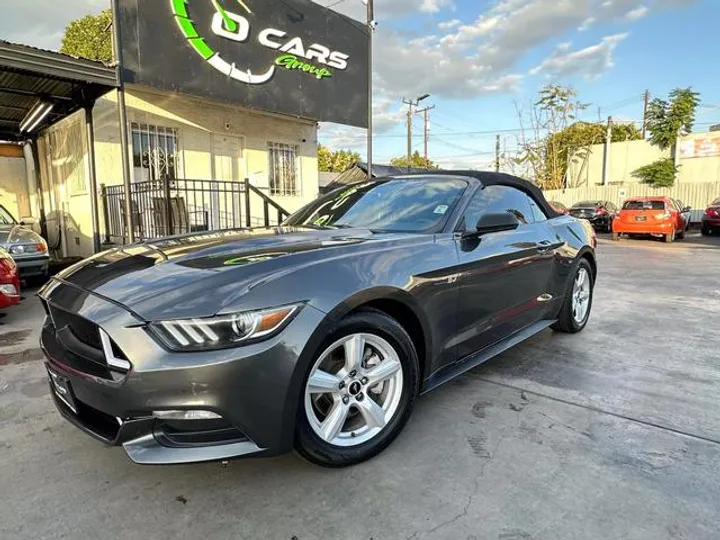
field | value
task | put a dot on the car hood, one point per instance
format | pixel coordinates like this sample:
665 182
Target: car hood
188 275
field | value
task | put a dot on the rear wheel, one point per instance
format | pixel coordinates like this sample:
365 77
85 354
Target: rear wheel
706 231
576 307
359 393
681 234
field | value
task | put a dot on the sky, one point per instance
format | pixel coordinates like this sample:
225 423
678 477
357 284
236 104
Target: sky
482 59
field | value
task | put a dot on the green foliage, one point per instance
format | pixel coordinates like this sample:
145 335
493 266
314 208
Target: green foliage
416 160
338 161
660 173
574 142
90 37
668 119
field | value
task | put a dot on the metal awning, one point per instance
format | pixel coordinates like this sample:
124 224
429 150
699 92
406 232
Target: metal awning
31 78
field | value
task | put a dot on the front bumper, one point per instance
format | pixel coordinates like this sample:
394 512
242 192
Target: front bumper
254 389
32 266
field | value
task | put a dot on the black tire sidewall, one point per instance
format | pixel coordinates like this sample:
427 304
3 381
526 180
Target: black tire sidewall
310 445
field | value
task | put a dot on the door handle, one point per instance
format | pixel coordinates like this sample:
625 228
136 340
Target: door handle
544 246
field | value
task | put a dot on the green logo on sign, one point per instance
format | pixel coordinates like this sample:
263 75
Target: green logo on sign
314 59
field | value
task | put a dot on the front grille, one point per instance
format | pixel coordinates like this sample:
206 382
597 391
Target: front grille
84 330
75 342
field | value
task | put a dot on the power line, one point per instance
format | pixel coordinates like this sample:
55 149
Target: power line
335 3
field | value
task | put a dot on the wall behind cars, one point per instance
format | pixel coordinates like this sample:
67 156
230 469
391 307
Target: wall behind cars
13 181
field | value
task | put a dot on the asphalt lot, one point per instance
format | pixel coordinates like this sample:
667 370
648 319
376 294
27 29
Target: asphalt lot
613 433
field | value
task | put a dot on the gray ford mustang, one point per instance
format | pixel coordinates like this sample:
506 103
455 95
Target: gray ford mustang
317 335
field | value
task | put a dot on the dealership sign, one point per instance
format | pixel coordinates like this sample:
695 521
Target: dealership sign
284 56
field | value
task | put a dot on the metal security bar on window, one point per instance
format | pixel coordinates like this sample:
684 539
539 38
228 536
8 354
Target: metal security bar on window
155 152
283 169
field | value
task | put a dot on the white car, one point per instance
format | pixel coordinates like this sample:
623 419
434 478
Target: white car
27 248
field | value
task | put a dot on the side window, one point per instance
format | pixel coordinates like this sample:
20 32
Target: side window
495 200
537 212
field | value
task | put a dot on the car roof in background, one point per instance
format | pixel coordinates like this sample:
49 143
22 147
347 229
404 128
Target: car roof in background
649 199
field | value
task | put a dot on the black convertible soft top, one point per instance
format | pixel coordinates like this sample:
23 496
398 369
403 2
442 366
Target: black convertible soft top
487 178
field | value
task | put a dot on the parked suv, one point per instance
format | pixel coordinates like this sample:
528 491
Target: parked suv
711 218
599 213
656 216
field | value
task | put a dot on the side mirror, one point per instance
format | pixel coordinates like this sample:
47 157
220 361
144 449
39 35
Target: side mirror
489 223
686 209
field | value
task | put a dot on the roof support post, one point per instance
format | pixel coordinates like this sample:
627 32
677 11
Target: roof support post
122 116
92 175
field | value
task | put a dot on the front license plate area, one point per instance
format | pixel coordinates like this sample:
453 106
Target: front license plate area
60 385
640 218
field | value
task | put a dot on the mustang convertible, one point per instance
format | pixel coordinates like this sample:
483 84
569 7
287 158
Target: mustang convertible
317 335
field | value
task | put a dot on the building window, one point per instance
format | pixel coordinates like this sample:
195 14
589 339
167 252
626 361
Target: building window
155 152
283 169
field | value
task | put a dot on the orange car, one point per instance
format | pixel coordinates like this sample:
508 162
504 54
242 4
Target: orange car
657 216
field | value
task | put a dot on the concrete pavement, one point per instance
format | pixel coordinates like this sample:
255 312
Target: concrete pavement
611 433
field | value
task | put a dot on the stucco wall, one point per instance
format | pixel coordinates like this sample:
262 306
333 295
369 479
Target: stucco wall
13 186
626 157
199 124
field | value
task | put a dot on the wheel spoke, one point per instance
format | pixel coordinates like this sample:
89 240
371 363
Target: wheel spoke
372 413
384 370
322 382
335 420
354 351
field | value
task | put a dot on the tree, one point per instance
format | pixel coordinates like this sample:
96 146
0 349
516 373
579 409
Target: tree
338 161
669 119
660 173
90 37
556 108
416 160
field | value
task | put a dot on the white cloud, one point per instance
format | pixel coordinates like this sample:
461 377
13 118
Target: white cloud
590 62
637 13
433 6
447 25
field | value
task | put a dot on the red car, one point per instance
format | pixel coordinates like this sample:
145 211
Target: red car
559 207
657 216
711 218
9 281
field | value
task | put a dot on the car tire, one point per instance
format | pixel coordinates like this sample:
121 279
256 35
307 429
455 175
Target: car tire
379 330
706 231
568 321
681 234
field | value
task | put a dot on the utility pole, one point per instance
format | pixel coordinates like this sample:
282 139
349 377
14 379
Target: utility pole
410 103
371 30
645 111
606 156
497 153
426 129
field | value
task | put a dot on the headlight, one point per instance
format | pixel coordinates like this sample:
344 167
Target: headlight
222 331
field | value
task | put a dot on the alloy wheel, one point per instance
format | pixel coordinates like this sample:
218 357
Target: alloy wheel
581 296
354 389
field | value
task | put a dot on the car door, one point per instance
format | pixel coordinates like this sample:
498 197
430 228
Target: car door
503 277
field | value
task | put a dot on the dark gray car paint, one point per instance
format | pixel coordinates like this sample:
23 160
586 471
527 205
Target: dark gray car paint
465 294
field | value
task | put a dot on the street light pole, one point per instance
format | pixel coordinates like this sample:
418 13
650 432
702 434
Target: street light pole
371 30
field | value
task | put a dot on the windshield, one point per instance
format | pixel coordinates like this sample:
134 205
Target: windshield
5 217
644 205
398 205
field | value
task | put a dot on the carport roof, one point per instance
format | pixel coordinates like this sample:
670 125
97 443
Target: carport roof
28 74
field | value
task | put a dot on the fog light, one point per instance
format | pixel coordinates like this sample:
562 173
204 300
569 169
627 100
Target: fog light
193 414
8 289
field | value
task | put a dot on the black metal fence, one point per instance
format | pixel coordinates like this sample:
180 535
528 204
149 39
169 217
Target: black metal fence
168 207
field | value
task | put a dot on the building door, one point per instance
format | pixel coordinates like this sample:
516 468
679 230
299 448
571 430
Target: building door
228 166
